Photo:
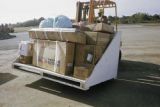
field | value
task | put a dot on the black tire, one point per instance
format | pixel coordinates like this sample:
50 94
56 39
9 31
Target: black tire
120 55
15 67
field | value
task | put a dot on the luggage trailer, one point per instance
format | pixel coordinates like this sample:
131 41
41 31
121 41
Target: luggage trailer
106 68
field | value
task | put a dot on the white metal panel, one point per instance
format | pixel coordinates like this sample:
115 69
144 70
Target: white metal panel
26 67
107 66
65 83
41 70
55 29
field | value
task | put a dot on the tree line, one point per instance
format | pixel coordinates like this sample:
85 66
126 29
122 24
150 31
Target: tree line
136 18
133 19
33 22
6 28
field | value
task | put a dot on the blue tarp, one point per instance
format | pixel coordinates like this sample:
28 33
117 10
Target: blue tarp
60 21
47 23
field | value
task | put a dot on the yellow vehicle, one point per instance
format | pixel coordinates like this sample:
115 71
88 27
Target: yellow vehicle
85 9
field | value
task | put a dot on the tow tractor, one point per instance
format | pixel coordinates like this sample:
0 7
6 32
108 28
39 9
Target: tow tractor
107 66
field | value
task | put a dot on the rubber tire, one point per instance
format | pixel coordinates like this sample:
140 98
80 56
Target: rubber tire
120 55
15 67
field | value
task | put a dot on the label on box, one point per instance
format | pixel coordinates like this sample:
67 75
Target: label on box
89 57
25 48
70 65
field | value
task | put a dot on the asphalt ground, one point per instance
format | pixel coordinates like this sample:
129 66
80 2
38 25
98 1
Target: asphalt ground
137 85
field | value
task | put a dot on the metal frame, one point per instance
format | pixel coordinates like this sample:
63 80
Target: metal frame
105 69
97 5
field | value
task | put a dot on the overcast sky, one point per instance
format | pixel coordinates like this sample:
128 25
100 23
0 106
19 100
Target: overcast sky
12 11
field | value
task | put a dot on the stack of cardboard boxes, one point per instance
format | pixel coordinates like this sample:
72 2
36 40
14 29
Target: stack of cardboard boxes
68 51
54 48
88 55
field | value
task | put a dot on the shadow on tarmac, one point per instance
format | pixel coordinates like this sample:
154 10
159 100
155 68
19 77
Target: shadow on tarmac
6 77
138 85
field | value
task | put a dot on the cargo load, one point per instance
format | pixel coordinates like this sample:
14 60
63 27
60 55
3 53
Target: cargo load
46 23
98 38
88 54
83 71
62 21
86 57
101 27
58 34
67 51
25 59
54 56
26 52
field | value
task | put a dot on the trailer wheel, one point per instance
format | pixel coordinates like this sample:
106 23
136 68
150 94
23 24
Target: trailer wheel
15 67
120 55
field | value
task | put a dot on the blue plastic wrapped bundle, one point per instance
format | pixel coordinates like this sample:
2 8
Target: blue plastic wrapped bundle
62 21
47 23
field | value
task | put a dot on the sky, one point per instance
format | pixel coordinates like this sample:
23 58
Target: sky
13 11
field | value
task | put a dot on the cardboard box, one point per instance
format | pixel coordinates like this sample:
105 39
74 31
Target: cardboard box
101 27
54 55
99 50
38 35
88 54
83 72
65 35
26 48
25 59
98 38
81 28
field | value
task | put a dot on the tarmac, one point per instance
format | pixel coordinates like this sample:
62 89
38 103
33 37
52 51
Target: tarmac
137 85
